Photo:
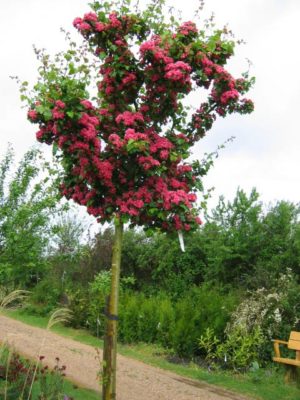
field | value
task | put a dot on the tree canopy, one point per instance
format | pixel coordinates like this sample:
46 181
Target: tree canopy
125 150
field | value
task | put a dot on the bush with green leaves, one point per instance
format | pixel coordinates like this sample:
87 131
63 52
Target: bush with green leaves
238 351
274 311
27 202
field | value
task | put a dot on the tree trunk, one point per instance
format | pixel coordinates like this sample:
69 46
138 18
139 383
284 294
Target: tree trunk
110 339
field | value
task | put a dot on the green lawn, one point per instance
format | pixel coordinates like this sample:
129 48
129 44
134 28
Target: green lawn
262 384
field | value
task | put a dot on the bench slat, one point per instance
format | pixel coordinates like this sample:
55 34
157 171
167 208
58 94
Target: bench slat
287 361
294 344
295 335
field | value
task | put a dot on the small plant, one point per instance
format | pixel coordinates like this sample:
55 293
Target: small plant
239 351
19 376
209 343
16 375
51 383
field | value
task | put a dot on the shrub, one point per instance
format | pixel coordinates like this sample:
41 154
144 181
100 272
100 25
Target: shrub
239 350
166 324
203 307
274 311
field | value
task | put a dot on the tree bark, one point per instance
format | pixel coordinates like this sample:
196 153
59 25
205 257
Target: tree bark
110 339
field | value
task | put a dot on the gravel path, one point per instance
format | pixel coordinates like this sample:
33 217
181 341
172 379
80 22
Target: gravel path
135 380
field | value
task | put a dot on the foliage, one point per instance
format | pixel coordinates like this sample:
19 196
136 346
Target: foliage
275 312
18 374
27 202
239 350
124 151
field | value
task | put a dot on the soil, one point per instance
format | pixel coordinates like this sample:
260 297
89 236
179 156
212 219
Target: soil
135 380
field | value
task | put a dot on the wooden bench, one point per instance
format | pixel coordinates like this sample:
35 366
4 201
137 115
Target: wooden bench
291 363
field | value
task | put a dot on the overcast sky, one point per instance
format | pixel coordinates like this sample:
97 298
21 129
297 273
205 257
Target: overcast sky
265 153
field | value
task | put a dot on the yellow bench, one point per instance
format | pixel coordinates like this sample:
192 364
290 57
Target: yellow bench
293 344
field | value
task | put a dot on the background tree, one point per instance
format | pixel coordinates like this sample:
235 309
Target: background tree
124 156
27 203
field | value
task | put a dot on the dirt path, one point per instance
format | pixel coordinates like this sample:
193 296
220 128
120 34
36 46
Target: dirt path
135 380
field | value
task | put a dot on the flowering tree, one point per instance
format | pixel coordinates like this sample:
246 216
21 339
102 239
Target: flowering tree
124 152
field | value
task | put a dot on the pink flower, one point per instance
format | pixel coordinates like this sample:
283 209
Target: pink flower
129 118
115 23
187 27
192 197
116 140
77 21
187 227
178 65
32 115
120 42
177 222
88 133
198 221
131 134
60 104
99 27
164 154
229 95
147 46
90 17
148 162
87 104
174 75
39 134
87 119
109 90
57 114
129 78
84 26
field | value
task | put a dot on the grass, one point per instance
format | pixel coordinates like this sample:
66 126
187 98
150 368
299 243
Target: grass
261 384
78 393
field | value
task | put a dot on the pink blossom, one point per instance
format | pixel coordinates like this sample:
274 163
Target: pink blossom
60 104
174 75
148 162
88 133
104 112
229 95
177 222
90 17
57 114
129 78
109 90
198 221
192 197
115 23
77 21
39 134
129 118
116 140
78 146
32 115
178 65
100 27
164 154
87 104
148 46
120 42
131 134
84 26
188 27
87 119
